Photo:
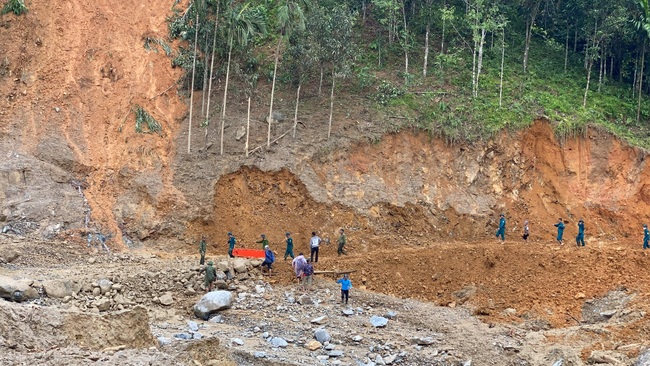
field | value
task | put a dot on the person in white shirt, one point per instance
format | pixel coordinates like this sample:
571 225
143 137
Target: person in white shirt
314 244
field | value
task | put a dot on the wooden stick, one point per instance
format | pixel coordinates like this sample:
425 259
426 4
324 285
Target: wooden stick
272 142
161 93
126 115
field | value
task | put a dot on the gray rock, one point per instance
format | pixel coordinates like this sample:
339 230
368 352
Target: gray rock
423 341
183 336
167 299
330 347
378 321
347 312
221 285
322 336
320 320
105 285
391 314
216 319
164 341
212 302
643 360
103 304
278 342
193 326
379 360
241 131
357 338
237 341
240 265
259 354
18 291
305 300
59 289
335 353
560 362
265 335
390 359
197 335
467 363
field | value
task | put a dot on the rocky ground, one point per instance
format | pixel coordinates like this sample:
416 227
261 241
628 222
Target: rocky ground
78 305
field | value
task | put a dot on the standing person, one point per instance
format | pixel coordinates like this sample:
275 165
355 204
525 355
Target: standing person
231 244
298 265
264 241
501 232
560 231
346 285
342 240
269 258
314 244
210 276
202 248
646 237
289 251
526 231
307 275
581 234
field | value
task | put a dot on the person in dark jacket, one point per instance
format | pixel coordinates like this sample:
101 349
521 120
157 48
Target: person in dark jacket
560 231
526 231
580 239
501 232
231 244
646 237
269 258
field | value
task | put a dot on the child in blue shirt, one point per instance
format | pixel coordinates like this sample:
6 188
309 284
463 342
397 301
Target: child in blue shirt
346 285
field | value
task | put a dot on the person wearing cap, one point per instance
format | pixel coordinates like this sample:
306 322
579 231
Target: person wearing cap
289 251
314 244
202 248
231 244
346 285
501 232
560 231
264 241
580 239
646 237
526 231
269 258
342 240
210 276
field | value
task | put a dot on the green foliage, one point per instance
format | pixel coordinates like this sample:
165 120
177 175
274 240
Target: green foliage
386 92
151 43
14 6
144 120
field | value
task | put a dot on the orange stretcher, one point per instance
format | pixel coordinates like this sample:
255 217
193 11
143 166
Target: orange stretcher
248 253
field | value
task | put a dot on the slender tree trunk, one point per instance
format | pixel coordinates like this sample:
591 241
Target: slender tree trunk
480 60
329 127
225 96
442 41
214 47
600 71
575 40
529 33
295 115
363 10
566 48
634 80
248 124
269 119
503 55
406 46
475 51
426 49
584 100
638 106
205 80
189 128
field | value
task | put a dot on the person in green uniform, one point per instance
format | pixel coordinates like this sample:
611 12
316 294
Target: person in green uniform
342 240
210 276
289 251
231 244
264 241
202 248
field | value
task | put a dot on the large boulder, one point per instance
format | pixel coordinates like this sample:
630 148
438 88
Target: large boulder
240 265
60 289
211 303
18 291
105 285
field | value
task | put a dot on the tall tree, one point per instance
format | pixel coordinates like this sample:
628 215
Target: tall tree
299 64
198 7
243 23
290 17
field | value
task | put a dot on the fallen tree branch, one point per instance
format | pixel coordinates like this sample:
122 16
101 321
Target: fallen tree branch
273 142
161 93
126 115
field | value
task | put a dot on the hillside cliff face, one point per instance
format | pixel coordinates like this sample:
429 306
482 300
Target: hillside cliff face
72 159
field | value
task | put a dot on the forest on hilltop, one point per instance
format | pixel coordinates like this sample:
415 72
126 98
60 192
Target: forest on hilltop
460 69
